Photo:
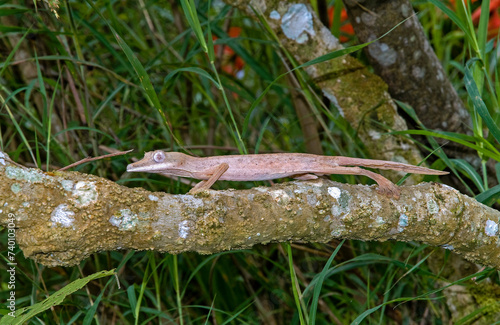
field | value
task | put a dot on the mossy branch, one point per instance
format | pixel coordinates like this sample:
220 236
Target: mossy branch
63 217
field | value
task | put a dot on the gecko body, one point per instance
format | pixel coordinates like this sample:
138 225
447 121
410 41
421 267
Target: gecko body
261 167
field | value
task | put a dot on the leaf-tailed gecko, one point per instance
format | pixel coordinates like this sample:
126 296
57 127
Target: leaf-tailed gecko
261 167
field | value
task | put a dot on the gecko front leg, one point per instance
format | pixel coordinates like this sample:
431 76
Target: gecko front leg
206 184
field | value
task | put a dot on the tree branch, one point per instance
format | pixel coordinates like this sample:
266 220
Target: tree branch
63 217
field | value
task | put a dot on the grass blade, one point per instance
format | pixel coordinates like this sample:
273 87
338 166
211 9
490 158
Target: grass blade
295 286
453 16
141 74
488 197
319 283
479 104
23 315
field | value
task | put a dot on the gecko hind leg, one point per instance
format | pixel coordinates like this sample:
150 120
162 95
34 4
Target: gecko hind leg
206 184
385 186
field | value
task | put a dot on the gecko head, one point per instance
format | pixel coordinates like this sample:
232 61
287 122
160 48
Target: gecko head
157 161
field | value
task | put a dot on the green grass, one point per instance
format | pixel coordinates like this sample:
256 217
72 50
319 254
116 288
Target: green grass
90 80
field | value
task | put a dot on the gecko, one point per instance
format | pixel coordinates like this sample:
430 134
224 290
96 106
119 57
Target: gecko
262 167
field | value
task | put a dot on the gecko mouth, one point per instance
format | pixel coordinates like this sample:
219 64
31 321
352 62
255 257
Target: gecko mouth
140 167
145 167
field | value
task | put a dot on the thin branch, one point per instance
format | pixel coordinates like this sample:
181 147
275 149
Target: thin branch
84 160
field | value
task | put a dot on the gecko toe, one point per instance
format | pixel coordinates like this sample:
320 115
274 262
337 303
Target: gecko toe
389 191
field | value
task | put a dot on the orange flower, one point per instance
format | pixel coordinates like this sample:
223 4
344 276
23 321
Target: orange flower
231 63
345 27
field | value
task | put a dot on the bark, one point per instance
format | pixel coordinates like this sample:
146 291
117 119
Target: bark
361 96
407 63
63 217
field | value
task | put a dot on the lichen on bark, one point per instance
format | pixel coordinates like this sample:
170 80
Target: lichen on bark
64 217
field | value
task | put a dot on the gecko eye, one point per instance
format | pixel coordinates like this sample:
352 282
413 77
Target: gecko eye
159 156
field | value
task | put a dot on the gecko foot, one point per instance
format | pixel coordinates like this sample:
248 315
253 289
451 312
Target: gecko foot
389 190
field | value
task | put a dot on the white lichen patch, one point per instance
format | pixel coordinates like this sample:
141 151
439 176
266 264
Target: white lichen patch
312 200
62 216
343 199
15 188
297 22
418 72
126 220
337 229
432 207
332 43
85 193
338 211
374 134
152 197
184 229
3 156
448 247
334 192
403 222
67 185
191 200
379 220
491 228
384 55
21 174
280 196
275 15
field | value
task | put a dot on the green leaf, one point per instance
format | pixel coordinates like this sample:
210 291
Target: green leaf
199 71
319 283
14 50
466 168
479 104
189 9
497 170
23 315
488 197
443 135
141 74
90 313
86 129
453 16
482 30
132 298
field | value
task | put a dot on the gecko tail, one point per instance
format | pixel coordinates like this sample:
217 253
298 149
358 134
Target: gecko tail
392 165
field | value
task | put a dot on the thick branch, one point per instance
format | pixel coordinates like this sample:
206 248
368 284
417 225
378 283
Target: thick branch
407 63
63 217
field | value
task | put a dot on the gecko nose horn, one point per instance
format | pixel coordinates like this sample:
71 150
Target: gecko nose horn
130 167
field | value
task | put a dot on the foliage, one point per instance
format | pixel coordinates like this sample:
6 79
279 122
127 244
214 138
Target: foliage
152 75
